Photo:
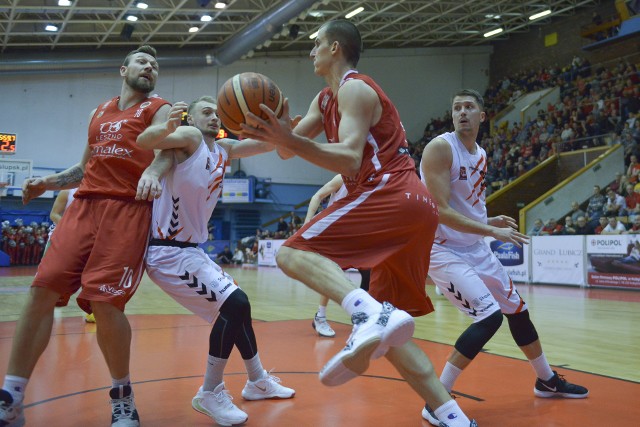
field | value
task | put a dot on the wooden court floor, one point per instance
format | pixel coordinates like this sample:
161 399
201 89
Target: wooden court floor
591 336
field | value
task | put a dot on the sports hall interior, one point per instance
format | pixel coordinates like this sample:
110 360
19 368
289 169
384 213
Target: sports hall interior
563 102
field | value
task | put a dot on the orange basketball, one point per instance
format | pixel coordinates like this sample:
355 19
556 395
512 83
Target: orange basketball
244 93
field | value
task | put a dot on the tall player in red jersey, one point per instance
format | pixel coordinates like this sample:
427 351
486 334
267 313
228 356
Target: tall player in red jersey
101 241
386 223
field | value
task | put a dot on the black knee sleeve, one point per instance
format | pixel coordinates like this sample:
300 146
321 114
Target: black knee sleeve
478 334
522 329
234 316
237 310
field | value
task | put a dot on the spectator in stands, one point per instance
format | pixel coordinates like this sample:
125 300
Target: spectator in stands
552 228
569 226
537 228
615 204
595 209
576 212
582 227
635 226
225 256
238 255
632 200
614 226
283 227
602 223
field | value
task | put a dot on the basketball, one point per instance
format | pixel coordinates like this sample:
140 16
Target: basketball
244 93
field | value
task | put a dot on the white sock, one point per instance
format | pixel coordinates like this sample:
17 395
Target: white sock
255 371
214 373
322 311
542 368
451 414
122 381
449 375
15 386
359 300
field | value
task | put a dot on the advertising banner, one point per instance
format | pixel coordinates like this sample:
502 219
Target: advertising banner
513 258
558 260
613 261
267 251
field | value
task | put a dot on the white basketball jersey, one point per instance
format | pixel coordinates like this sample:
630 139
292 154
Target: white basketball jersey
190 193
70 197
467 191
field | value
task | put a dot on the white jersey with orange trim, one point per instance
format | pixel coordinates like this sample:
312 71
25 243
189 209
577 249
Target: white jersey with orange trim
190 193
467 191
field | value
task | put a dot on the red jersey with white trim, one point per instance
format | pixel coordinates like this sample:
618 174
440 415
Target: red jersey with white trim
386 150
116 162
467 190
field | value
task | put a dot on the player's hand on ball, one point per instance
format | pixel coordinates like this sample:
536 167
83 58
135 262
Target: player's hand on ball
273 130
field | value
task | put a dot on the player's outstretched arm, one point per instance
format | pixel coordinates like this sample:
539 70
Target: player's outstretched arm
149 186
166 132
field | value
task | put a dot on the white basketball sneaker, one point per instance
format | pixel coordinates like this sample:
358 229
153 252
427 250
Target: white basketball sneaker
266 388
370 338
322 327
11 413
218 405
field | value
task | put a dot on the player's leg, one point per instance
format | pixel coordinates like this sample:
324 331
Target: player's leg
31 338
416 368
373 322
320 324
523 331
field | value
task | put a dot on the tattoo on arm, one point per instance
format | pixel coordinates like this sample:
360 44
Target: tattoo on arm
70 176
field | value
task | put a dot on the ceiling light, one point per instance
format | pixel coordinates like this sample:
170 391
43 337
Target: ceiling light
493 32
51 27
489 15
220 5
540 14
206 18
194 29
64 2
354 12
313 35
141 5
132 18
316 14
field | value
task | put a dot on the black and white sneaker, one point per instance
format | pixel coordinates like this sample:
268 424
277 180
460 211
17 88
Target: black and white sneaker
11 414
123 409
429 415
557 386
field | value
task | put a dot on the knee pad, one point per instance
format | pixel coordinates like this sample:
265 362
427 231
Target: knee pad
478 334
522 329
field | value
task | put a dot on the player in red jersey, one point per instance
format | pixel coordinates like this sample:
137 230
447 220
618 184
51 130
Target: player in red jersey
101 240
385 223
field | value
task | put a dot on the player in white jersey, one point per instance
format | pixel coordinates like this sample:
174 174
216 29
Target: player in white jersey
190 192
335 190
462 265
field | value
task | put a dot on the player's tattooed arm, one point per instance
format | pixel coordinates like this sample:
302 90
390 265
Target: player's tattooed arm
70 177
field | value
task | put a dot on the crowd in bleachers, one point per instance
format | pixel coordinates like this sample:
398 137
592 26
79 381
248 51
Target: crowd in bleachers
598 105
24 243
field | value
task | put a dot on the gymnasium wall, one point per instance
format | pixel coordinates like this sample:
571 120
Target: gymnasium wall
49 112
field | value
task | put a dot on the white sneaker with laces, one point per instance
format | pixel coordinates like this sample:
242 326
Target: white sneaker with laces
123 408
218 405
370 338
322 327
11 413
267 388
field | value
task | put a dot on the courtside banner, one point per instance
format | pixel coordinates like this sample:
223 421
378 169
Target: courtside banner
267 251
514 259
558 259
613 261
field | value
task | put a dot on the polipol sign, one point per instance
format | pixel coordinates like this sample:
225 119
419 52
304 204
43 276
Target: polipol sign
512 257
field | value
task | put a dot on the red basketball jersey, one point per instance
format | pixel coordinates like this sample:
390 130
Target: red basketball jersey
386 150
116 162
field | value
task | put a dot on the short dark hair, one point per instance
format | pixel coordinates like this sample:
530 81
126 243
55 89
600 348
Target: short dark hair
205 98
472 93
348 36
149 50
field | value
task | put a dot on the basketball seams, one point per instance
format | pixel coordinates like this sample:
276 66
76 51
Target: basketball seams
239 94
